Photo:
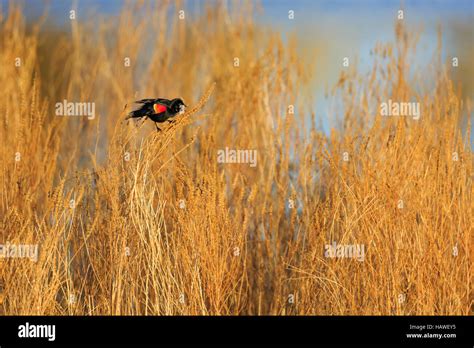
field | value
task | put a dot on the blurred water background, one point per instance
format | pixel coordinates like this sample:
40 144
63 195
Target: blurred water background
339 28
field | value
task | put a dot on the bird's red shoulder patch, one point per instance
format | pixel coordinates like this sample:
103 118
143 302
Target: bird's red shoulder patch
159 108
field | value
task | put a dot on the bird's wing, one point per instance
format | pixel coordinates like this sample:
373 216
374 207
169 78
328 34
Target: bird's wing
162 101
145 101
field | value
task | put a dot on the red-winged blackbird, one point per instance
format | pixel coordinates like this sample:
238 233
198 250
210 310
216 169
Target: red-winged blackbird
158 110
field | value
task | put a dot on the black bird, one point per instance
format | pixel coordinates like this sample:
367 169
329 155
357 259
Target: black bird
158 110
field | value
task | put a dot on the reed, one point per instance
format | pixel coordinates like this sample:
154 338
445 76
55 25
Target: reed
132 221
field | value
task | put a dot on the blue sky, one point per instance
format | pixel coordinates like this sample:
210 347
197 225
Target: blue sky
306 9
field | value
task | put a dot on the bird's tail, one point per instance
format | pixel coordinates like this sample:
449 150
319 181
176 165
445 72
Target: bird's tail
136 114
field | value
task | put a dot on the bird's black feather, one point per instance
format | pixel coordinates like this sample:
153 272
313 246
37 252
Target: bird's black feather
173 107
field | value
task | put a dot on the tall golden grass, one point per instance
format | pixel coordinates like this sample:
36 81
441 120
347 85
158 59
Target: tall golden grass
133 221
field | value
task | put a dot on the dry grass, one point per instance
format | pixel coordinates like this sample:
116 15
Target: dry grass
128 245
